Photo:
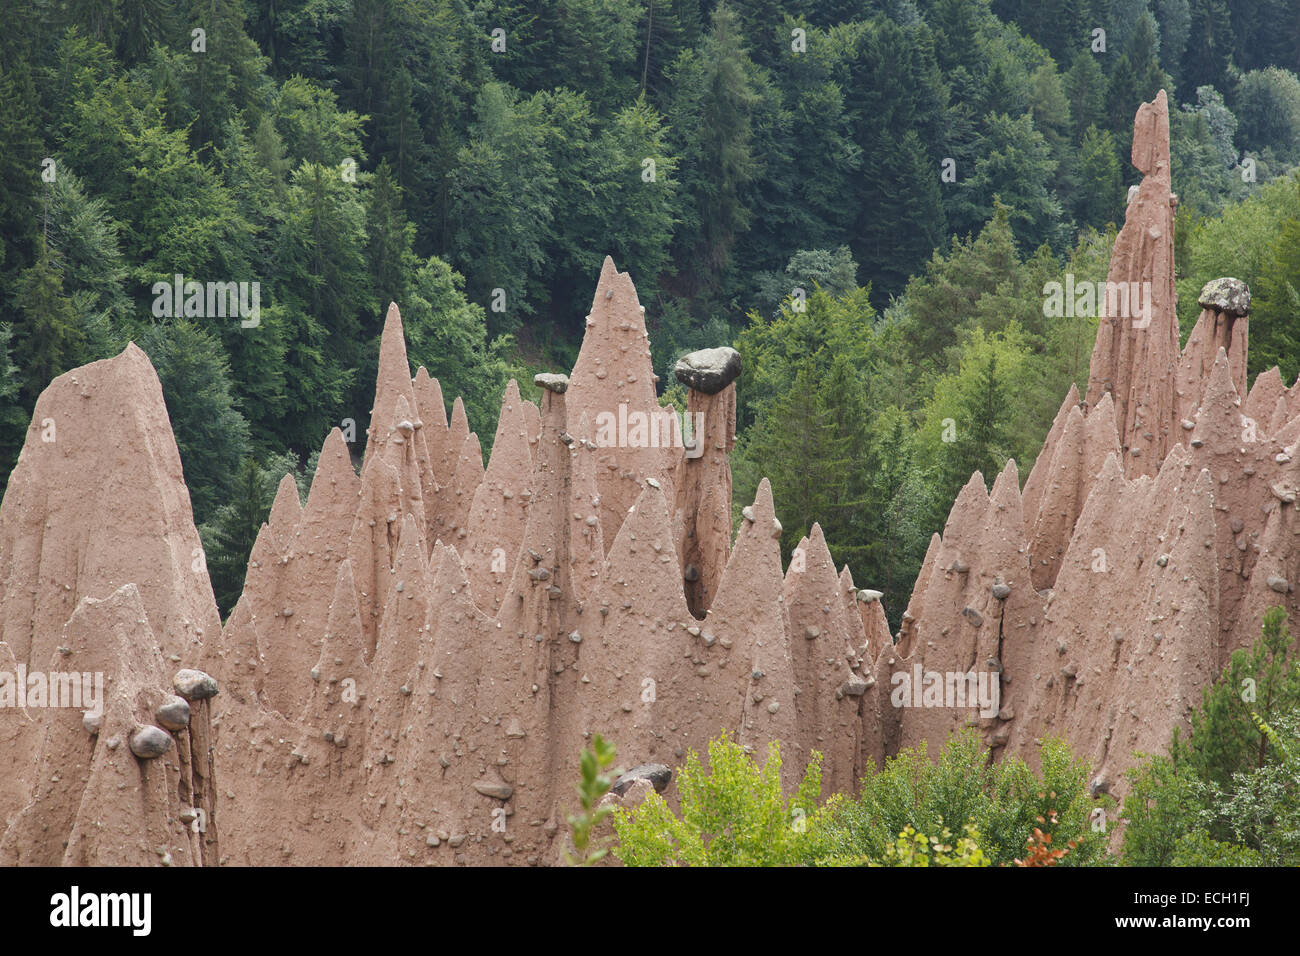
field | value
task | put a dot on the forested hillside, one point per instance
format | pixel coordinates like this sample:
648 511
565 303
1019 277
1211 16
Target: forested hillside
866 198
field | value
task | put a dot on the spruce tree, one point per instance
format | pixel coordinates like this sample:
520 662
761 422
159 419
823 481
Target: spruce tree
717 93
13 417
211 432
1275 309
47 332
389 238
1101 187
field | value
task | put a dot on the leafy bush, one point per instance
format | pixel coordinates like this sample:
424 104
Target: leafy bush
916 849
1161 806
1198 848
1004 802
734 814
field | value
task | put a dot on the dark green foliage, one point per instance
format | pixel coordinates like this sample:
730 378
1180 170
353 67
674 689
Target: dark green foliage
20 165
1085 88
1267 105
47 333
1005 800
1015 168
832 271
1136 78
1101 187
448 336
389 238
210 431
229 537
717 90
503 198
1209 47
83 244
1276 303
13 418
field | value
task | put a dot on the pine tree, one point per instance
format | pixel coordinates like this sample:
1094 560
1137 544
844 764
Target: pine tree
1016 169
807 443
1275 309
1267 103
1101 188
320 295
1135 79
941 301
982 433
667 28
222 79
448 335
807 393
389 237
400 140
313 126
589 45
896 533
229 537
718 90
502 197
20 169
974 419
1085 88
47 333
618 186
297 36
13 417
83 245
901 219
1174 18
211 432
1209 48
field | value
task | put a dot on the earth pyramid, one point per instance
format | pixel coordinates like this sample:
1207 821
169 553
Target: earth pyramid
422 649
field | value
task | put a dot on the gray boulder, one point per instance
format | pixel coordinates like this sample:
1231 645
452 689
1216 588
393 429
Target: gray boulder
552 382
194 685
150 742
658 775
1226 295
708 370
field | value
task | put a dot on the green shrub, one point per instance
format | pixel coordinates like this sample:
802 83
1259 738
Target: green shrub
1198 848
916 849
1004 801
734 814
1164 803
